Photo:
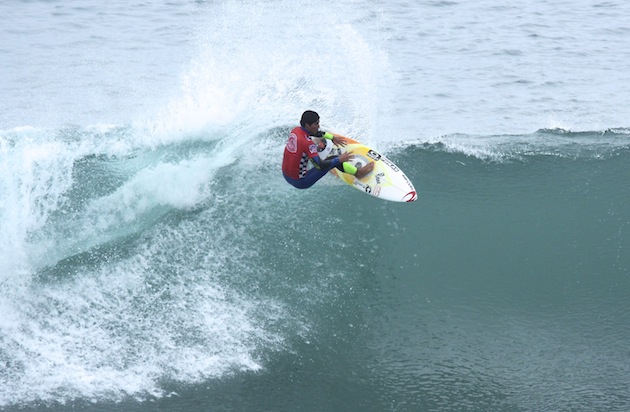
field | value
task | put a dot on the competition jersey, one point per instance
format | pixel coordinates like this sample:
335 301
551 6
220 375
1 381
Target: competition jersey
299 149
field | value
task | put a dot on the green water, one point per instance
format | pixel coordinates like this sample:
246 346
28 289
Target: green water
504 287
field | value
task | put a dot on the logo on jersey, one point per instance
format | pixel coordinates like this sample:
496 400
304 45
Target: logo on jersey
292 143
312 148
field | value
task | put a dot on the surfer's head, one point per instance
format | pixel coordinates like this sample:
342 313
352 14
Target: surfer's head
310 121
309 117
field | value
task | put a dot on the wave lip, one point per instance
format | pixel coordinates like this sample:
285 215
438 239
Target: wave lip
556 142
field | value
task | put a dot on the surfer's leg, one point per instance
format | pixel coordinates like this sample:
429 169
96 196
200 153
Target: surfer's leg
312 176
340 166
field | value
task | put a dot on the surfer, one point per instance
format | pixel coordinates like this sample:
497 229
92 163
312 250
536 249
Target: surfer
301 148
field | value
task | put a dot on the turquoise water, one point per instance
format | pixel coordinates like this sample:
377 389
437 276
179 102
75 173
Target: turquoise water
153 257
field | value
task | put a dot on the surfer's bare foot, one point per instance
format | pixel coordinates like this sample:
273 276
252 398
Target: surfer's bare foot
362 172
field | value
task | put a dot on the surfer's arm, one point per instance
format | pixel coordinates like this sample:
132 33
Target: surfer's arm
345 167
341 161
326 163
337 140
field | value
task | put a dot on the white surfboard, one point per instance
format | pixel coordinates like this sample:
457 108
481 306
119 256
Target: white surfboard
386 181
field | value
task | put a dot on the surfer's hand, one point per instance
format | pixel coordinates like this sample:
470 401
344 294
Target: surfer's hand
339 141
344 157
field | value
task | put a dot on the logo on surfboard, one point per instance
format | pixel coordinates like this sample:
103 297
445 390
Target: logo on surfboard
373 155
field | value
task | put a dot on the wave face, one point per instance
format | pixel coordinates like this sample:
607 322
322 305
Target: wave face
152 255
132 272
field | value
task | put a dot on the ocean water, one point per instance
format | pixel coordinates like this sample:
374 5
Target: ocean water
152 256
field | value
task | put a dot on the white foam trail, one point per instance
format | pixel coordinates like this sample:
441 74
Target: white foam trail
121 326
123 329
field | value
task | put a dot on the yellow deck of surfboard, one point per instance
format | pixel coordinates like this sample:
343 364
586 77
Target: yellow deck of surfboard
386 181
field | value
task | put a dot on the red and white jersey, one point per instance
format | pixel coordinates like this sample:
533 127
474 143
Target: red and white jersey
299 149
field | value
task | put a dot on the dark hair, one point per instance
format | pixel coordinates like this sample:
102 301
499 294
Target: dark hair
308 117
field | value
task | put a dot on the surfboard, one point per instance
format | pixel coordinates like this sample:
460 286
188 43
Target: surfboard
387 181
